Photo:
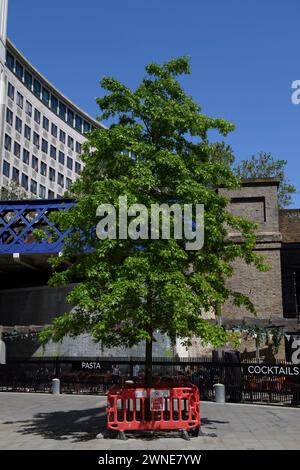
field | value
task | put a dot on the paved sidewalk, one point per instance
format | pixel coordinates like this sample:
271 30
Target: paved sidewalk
40 421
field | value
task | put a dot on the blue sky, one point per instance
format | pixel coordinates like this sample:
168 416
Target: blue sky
244 57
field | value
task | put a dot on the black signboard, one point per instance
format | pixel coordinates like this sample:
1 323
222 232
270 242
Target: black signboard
87 366
272 370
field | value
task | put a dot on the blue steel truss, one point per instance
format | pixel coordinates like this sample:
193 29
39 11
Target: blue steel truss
18 219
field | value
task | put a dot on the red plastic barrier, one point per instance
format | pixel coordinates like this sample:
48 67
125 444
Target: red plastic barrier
163 406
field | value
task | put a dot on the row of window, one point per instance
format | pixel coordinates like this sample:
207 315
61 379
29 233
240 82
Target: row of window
26 155
48 98
61 180
38 119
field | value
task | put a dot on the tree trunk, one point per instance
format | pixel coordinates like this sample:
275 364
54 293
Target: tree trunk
148 364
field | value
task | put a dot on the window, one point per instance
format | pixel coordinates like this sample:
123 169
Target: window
61 158
20 100
24 181
62 136
70 117
78 147
11 91
60 179
45 123
54 103
19 70
6 168
54 130
17 149
62 109
28 80
78 123
16 175
10 60
27 132
37 116
77 167
9 116
53 152
70 163
86 127
44 146
70 142
18 125
68 183
43 169
45 96
36 139
34 163
7 142
33 186
51 174
42 192
50 194
26 156
28 108
37 88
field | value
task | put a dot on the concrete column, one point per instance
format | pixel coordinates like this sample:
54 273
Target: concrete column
3 33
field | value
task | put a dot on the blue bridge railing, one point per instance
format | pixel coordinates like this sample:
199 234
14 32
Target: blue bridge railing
18 220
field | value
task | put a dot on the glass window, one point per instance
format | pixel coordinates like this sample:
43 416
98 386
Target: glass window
16 175
9 116
19 70
70 117
36 139
10 91
78 147
20 100
68 183
26 156
77 167
86 127
61 158
37 88
7 142
53 152
62 109
18 124
50 194
44 146
71 142
54 130
28 108
27 132
54 103
70 163
42 192
45 123
28 80
43 169
60 179
24 181
62 136
10 60
78 123
37 116
34 163
51 174
33 186
45 96
6 168
17 149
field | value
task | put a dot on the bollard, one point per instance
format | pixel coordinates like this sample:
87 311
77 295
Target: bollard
56 386
219 393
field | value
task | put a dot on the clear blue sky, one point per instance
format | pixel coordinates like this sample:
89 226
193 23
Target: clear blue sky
245 55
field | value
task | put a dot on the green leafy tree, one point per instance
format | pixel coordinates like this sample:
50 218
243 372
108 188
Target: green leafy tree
128 289
264 165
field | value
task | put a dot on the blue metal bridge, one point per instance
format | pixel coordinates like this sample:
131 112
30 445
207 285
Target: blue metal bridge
18 220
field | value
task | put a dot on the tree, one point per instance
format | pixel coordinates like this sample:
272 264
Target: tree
264 165
156 151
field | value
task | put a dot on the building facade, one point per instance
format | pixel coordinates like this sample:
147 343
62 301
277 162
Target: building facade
41 131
